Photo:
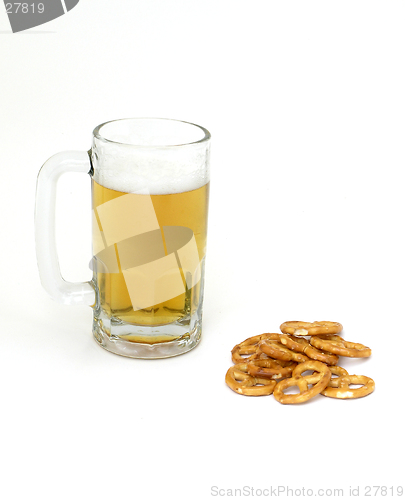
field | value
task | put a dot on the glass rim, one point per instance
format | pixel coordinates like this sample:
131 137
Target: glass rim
97 134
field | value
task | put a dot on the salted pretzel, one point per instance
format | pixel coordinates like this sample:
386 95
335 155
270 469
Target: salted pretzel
319 381
341 347
248 347
278 351
340 387
257 338
335 338
241 382
239 353
302 328
300 344
339 371
270 363
270 368
261 355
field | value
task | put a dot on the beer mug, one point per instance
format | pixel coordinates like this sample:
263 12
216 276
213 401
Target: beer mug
150 185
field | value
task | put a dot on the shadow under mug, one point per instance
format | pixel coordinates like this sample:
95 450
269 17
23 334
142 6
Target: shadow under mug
150 187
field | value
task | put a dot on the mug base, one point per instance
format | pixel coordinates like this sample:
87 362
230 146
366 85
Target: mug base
121 346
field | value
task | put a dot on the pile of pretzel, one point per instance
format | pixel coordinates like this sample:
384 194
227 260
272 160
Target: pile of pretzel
272 362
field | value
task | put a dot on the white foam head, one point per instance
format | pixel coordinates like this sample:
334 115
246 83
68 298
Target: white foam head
151 156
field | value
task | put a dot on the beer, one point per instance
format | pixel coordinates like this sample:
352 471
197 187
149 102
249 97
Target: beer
137 239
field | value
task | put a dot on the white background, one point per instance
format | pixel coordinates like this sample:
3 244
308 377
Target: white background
305 101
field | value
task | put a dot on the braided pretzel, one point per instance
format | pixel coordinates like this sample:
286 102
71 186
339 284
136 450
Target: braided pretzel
341 347
249 346
341 387
302 345
278 351
302 328
241 382
320 381
270 368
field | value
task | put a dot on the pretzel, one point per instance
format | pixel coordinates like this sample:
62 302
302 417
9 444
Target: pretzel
278 351
319 370
335 338
257 338
339 346
261 355
268 363
302 328
241 382
249 346
270 368
339 371
238 351
319 380
302 345
341 387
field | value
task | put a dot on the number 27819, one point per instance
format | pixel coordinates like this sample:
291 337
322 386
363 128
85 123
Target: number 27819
25 8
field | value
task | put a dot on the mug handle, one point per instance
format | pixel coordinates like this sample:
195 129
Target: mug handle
62 291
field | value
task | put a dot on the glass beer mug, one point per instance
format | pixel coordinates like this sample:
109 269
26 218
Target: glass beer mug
150 183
